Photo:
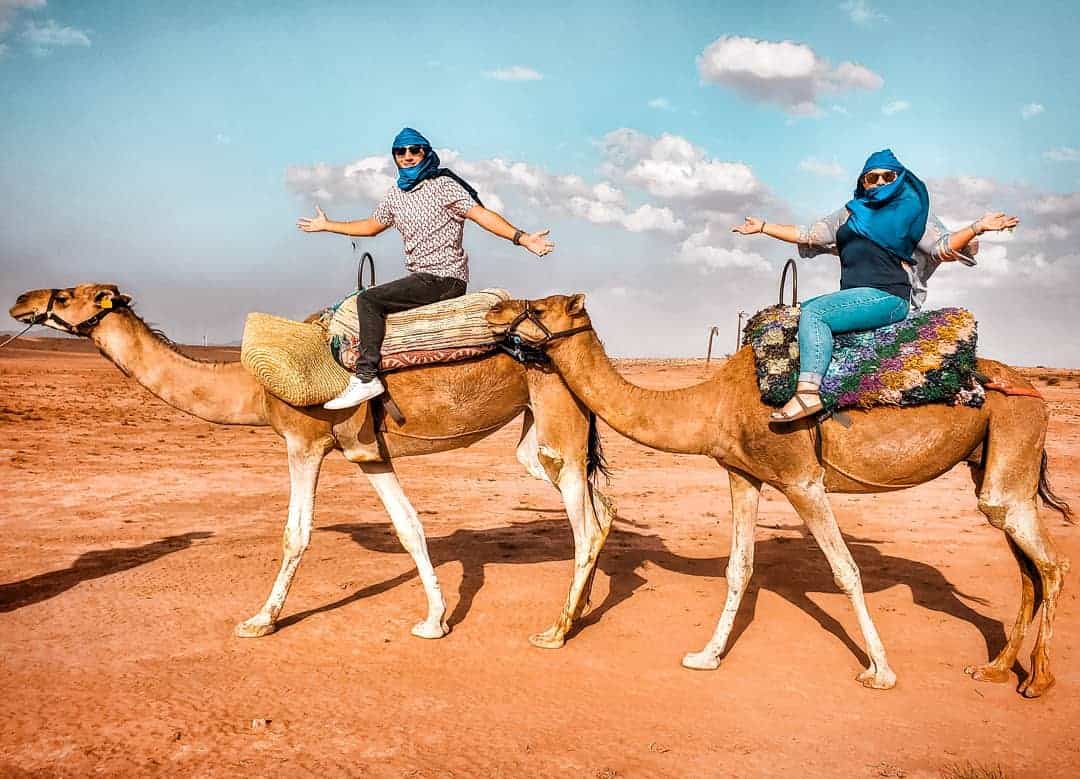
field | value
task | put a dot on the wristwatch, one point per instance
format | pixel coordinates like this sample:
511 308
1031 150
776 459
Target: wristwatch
517 237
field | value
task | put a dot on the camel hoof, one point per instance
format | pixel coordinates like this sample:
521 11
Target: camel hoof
430 630
1037 686
701 661
987 673
877 680
255 627
549 639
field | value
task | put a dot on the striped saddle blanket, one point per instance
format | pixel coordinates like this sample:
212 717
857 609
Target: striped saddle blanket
927 358
447 331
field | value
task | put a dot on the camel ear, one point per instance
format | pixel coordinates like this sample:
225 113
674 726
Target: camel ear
575 304
111 299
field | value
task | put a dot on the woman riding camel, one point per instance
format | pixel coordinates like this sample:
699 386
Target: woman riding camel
429 207
889 244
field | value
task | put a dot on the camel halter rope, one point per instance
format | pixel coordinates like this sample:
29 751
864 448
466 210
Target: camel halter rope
530 314
83 328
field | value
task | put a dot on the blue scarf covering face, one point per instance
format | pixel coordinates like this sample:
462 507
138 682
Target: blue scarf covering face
407 178
892 215
427 168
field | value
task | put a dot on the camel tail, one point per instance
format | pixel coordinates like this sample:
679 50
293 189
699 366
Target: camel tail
1048 496
595 462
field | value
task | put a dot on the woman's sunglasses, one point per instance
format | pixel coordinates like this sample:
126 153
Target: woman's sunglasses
399 151
873 177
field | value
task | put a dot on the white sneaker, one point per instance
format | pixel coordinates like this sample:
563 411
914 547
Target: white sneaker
356 393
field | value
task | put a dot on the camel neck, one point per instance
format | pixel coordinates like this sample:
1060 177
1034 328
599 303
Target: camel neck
683 420
224 393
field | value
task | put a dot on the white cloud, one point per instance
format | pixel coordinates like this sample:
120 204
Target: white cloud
705 249
1063 154
788 73
222 139
821 167
670 166
839 109
8 9
1057 205
515 73
43 37
861 13
648 217
895 107
1032 109
661 104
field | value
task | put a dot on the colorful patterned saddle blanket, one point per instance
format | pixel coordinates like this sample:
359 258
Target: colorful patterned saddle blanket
927 358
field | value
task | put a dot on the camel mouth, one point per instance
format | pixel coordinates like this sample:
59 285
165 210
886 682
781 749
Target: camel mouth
27 316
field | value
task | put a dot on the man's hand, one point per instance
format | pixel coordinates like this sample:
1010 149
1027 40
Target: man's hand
315 225
537 243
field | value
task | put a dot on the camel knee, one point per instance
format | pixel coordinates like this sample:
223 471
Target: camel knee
551 461
997 514
847 578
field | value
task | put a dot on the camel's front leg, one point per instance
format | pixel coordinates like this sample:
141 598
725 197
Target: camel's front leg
812 505
745 492
411 534
304 464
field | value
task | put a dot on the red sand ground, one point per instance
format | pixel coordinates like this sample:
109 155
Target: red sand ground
135 537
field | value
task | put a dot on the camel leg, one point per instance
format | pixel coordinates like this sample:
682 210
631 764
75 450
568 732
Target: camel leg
1020 521
555 449
411 534
304 465
812 505
745 492
999 669
1007 490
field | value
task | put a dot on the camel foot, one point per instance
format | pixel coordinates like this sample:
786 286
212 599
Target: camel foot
428 629
701 661
255 627
1035 686
877 679
988 673
552 638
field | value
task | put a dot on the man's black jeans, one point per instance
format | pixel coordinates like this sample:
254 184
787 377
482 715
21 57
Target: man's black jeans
374 303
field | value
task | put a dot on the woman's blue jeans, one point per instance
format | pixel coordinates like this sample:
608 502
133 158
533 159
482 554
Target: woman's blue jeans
858 308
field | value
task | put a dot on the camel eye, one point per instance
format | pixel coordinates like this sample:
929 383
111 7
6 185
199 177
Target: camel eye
62 297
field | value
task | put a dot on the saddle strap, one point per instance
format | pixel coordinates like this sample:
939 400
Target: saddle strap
790 265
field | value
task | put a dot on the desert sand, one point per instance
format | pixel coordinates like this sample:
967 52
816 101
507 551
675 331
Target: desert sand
135 538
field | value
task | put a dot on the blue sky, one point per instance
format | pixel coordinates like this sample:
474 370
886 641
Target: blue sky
171 149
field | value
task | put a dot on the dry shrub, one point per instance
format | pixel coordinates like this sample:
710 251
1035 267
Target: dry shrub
973 771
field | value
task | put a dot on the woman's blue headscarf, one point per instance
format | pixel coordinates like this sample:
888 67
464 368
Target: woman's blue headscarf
893 215
428 168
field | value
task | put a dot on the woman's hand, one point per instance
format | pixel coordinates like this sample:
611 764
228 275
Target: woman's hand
315 225
537 243
991 222
751 226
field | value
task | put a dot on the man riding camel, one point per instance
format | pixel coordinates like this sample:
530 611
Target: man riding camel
429 207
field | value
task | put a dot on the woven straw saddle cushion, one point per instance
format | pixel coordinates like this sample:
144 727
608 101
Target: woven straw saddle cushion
301 362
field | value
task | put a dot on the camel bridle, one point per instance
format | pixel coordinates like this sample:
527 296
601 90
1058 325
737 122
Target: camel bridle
530 314
84 327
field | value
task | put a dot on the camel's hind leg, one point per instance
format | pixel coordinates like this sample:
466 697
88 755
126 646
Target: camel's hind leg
411 534
554 447
812 505
745 493
305 460
1007 489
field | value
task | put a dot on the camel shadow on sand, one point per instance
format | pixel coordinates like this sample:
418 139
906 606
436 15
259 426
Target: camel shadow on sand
90 565
790 566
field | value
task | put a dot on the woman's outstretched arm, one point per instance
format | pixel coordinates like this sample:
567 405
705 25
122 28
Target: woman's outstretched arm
755 226
988 223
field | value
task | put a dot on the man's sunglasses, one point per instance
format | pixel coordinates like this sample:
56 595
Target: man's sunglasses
399 151
873 177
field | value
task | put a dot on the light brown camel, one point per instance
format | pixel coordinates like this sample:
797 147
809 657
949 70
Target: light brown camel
445 406
883 449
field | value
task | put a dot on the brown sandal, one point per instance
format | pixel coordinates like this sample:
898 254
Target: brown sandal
807 409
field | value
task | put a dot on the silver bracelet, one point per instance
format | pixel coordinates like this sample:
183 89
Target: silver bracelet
973 228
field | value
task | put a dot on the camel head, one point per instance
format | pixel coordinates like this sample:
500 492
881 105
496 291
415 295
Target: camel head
73 310
539 322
